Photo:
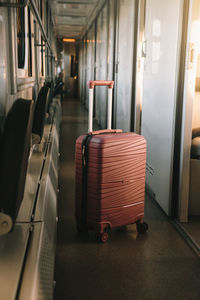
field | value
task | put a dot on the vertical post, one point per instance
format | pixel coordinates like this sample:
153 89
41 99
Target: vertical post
12 51
90 120
109 116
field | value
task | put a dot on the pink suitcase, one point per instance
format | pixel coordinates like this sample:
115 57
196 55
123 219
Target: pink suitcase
110 176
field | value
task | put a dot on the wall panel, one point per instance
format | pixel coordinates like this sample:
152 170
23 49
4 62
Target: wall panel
124 64
101 65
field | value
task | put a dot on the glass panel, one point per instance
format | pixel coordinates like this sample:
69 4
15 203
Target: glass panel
124 64
84 69
42 56
30 45
42 49
41 10
111 38
47 65
90 60
21 37
101 66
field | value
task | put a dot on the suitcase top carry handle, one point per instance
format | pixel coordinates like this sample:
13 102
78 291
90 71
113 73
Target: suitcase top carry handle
108 83
105 131
92 84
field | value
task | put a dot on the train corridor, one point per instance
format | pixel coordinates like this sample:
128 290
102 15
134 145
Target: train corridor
157 265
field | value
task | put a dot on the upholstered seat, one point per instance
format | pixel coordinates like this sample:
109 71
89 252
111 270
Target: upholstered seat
195 132
14 154
40 114
195 148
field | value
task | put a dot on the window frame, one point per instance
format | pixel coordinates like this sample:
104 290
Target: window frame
23 72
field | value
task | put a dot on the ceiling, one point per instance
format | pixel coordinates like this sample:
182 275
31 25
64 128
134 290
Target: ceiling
71 18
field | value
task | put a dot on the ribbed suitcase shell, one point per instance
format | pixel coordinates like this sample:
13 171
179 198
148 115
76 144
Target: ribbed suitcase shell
115 180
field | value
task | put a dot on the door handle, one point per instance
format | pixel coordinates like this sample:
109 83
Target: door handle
144 49
191 55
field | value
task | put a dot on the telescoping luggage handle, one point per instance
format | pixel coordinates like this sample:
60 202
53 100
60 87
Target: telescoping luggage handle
92 84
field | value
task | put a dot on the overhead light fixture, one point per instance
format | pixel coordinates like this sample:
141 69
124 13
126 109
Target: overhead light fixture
69 40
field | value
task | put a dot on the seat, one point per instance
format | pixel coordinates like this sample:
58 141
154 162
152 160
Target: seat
58 87
40 114
14 154
195 132
50 84
195 148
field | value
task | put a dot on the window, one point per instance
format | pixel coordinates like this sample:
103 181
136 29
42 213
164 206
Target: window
30 45
41 10
21 37
42 56
42 42
47 32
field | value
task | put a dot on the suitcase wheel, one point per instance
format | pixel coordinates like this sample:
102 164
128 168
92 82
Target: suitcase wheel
142 227
102 237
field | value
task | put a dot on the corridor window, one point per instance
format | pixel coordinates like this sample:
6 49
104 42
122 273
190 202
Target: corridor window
30 45
42 49
42 56
21 37
24 43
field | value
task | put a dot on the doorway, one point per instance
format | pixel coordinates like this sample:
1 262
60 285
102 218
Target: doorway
189 195
70 69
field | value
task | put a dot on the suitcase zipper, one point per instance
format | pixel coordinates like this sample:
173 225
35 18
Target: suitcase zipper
83 156
84 150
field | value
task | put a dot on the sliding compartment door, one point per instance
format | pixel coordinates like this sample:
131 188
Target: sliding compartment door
159 95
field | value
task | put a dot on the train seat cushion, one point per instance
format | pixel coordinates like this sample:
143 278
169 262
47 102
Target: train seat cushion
40 114
195 149
50 85
14 154
195 132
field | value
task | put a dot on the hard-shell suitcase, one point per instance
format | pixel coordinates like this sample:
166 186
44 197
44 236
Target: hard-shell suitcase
110 176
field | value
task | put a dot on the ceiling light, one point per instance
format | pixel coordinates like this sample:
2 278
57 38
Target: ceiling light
69 40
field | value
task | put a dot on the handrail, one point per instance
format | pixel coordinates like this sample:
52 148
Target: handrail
37 16
35 12
14 5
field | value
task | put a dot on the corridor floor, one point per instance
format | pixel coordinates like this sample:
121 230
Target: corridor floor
157 265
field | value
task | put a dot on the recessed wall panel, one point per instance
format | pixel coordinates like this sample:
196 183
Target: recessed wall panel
90 59
101 65
111 39
124 64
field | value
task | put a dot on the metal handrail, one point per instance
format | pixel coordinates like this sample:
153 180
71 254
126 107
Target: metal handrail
14 5
37 16
35 12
